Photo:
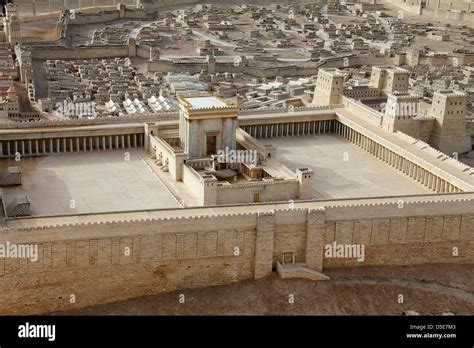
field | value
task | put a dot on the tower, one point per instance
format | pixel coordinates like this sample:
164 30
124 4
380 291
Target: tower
211 64
26 66
305 178
449 132
400 110
329 87
12 102
389 79
12 25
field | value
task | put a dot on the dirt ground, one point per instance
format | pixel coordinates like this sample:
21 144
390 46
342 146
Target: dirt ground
426 289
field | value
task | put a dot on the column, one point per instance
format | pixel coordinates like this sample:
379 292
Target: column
122 139
110 142
71 145
36 147
58 147
91 144
78 146
134 140
103 144
1 148
23 148
64 145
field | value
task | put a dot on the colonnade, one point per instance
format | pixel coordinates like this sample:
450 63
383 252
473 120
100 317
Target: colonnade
290 128
38 147
407 167
397 161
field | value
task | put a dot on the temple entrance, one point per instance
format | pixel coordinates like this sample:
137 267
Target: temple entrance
256 197
211 145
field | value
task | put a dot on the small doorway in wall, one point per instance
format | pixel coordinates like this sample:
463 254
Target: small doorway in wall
256 197
211 144
288 258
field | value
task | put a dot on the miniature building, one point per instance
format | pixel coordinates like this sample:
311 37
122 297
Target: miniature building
12 25
207 124
329 87
400 110
389 79
449 133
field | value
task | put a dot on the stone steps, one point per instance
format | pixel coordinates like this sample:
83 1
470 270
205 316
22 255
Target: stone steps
299 270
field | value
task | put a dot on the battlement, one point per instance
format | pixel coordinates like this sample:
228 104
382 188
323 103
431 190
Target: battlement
450 94
334 72
405 95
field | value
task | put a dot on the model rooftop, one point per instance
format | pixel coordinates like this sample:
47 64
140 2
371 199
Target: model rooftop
203 102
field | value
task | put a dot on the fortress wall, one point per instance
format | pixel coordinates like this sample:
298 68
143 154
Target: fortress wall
110 261
433 61
405 240
92 18
81 52
357 107
103 16
258 71
285 71
107 262
164 66
168 66
143 51
135 14
457 14
155 5
411 6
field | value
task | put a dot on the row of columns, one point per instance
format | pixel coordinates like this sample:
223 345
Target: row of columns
407 167
53 5
34 147
290 129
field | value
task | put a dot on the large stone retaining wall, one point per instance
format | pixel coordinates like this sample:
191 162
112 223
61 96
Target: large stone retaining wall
80 52
112 259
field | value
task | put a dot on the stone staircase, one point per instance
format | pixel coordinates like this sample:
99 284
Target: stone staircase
299 270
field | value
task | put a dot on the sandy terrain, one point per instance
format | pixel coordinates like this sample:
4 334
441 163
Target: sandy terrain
352 291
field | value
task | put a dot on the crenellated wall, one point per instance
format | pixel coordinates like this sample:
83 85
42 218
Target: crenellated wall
108 257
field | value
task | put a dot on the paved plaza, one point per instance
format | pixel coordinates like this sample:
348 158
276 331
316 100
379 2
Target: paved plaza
341 169
89 182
